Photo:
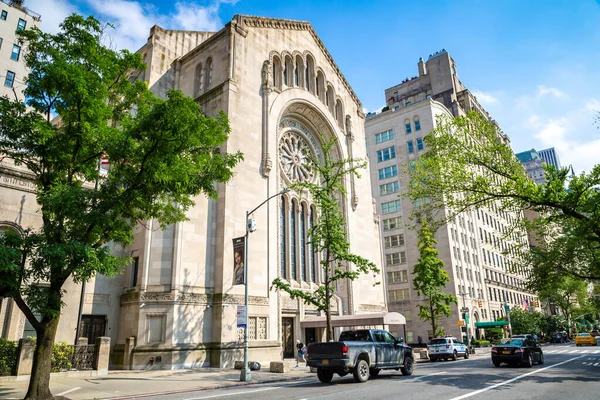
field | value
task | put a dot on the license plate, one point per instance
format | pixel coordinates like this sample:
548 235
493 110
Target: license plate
324 362
506 352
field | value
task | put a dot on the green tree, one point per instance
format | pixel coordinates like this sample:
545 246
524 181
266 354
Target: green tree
162 153
566 292
469 164
328 235
430 278
525 321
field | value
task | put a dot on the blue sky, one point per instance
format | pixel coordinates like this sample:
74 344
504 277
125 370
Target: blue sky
534 65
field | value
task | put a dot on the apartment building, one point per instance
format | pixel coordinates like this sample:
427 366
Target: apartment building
533 164
473 246
14 16
550 157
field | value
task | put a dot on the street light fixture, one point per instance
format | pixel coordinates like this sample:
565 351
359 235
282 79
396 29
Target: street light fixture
246 375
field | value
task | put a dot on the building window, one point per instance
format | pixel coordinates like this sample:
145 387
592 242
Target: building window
135 264
311 251
408 103
388 188
21 24
392 223
419 144
209 69
407 128
410 147
386 154
302 243
4 15
0 42
388 172
92 327
199 80
384 136
293 240
391 206
9 81
282 242
394 241
417 125
16 52
398 276
398 295
395 258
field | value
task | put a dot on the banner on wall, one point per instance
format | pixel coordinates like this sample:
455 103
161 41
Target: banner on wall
239 248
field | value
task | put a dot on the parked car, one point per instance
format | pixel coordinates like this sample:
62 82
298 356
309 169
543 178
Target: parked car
585 338
524 351
446 348
595 333
559 337
363 353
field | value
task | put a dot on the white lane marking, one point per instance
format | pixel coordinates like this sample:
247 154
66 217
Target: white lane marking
234 393
464 396
574 352
68 391
596 364
427 376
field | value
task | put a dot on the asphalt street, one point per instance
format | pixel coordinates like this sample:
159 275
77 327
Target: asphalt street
569 372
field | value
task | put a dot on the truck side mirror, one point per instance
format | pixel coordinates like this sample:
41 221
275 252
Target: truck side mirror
400 340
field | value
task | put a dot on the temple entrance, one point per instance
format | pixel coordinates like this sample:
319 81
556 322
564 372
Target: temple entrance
287 337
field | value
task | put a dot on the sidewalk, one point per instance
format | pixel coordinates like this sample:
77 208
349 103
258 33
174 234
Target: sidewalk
136 384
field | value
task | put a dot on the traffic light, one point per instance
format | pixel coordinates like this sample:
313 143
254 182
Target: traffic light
479 303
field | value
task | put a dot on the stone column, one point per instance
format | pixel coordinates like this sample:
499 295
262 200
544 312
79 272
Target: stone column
128 352
101 356
25 356
82 341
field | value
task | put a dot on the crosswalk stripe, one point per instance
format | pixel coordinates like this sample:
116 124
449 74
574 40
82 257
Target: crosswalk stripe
596 364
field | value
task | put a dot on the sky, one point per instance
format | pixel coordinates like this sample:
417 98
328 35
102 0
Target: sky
534 65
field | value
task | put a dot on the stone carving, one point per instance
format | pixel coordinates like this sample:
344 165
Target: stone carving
267 164
193 298
295 157
266 74
371 308
96 298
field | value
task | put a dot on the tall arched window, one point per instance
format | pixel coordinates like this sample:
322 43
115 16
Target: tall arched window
288 80
277 72
303 243
310 74
311 248
329 100
199 83
321 86
339 114
299 77
293 240
208 73
296 75
282 242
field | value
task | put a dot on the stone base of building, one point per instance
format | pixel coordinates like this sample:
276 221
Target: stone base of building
221 355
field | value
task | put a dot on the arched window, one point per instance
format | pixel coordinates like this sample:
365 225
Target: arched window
208 73
303 243
199 82
288 79
309 78
277 72
339 114
299 77
293 240
329 100
311 249
282 242
321 86
296 75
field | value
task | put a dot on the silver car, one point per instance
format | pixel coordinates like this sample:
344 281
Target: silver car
446 348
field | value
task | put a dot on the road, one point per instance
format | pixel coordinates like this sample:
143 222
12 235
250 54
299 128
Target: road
569 372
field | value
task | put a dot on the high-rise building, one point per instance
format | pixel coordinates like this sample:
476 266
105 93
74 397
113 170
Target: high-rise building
283 93
13 17
533 164
472 246
550 157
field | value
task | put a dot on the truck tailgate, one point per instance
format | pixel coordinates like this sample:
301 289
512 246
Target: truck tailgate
318 351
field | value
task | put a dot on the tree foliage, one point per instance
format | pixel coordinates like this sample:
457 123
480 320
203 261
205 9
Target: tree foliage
430 279
162 152
328 235
469 164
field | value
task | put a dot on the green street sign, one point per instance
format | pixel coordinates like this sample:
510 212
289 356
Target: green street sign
506 308
467 318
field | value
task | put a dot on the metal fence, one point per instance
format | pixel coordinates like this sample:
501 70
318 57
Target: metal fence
83 357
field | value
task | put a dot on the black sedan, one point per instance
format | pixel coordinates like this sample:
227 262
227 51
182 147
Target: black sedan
517 351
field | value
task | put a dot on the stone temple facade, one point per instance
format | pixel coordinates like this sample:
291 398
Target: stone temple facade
178 301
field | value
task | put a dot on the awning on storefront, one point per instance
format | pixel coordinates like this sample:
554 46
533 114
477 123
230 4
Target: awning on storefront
492 324
389 318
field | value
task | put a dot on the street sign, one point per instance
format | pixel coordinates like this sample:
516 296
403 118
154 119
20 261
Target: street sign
467 318
464 309
506 308
242 316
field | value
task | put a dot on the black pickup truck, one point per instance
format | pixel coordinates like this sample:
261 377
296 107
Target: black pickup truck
363 352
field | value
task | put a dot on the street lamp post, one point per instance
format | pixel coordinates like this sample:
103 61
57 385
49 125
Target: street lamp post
465 311
245 374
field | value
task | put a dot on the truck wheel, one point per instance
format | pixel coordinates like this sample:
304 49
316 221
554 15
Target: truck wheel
324 375
496 363
407 369
361 371
374 371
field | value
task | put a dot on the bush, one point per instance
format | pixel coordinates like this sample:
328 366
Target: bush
62 354
8 357
481 343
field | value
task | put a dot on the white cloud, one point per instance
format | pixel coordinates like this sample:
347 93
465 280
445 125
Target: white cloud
593 105
53 12
484 98
544 91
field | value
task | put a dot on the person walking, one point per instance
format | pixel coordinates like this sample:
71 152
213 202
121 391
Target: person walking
301 352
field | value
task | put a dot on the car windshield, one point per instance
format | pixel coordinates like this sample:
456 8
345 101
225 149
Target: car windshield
583 334
512 342
438 341
355 336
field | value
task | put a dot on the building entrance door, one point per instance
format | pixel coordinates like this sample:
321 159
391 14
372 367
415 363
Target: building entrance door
287 335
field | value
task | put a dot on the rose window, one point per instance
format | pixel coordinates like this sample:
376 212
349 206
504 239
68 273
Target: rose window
295 157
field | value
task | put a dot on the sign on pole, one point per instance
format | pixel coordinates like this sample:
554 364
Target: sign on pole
465 309
242 316
506 308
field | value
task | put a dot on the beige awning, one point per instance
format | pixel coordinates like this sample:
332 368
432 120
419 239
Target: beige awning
389 318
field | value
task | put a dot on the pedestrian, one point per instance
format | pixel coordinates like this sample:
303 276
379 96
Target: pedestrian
420 340
301 352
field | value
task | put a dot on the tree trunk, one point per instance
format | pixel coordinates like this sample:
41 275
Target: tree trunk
39 382
433 326
329 333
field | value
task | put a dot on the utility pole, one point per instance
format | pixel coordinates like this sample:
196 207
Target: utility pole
465 312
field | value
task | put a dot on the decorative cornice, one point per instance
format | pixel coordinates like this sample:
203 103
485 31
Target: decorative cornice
191 298
273 23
